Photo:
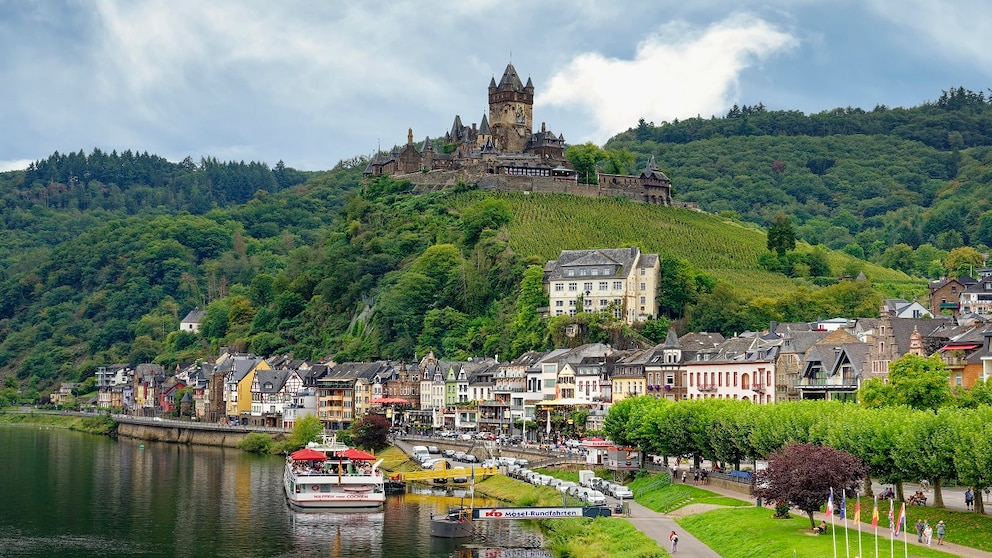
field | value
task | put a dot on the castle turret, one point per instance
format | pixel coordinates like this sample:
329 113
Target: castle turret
511 111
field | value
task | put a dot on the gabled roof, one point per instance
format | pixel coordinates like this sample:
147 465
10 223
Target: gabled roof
271 381
195 316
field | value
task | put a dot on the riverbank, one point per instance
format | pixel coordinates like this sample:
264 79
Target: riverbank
574 538
96 424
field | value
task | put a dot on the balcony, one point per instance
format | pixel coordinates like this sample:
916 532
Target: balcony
847 381
707 387
758 388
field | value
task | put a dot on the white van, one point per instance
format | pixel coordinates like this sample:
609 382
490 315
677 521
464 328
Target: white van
420 453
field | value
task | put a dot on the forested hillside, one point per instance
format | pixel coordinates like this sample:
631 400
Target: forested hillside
103 254
878 184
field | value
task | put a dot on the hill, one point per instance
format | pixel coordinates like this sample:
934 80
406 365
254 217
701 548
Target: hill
864 181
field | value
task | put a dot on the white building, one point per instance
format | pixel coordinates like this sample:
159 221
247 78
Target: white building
619 280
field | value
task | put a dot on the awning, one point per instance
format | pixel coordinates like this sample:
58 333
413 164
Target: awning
390 401
961 347
357 455
307 454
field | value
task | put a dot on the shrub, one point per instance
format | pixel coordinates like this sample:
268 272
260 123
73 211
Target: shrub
256 442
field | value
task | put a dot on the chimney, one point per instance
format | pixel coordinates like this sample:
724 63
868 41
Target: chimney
543 128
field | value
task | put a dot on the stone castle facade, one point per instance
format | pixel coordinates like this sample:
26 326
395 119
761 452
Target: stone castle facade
504 153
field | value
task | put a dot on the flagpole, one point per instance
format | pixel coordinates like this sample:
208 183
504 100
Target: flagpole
830 512
874 521
857 523
905 535
843 504
892 530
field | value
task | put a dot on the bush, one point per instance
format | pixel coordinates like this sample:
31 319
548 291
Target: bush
256 442
782 510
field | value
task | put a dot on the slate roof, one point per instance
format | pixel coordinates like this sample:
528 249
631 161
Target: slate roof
618 260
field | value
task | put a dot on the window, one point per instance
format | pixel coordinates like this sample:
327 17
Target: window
559 303
573 286
618 285
587 287
559 287
583 272
644 286
595 272
643 271
571 303
604 285
587 302
570 273
958 379
670 378
603 302
616 312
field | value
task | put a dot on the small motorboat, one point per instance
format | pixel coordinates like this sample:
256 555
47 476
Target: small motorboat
456 524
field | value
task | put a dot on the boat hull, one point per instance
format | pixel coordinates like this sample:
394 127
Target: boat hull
448 529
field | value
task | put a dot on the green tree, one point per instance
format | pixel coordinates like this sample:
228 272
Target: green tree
920 383
963 261
584 159
781 235
307 429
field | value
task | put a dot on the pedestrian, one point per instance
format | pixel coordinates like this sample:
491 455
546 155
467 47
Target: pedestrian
969 498
695 477
941 531
674 537
919 530
927 533
683 477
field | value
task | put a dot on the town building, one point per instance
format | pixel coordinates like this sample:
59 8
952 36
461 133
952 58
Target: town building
622 281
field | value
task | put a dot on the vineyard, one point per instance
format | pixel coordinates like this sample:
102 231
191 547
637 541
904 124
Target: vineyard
545 224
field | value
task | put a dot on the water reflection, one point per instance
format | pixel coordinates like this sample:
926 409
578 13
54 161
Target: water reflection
70 494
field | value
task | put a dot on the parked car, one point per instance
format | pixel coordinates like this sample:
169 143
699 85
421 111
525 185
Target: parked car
459 456
471 458
448 453
623 492
595 497
460 475
433 449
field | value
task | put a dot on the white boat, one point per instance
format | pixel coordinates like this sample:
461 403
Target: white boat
331 475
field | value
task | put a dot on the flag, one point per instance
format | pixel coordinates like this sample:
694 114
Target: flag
874 514
892 521
830 503
843 504
857 511
901 524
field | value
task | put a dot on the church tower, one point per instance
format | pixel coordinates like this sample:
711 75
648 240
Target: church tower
511 111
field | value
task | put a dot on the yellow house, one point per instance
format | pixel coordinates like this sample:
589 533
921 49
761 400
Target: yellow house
239 375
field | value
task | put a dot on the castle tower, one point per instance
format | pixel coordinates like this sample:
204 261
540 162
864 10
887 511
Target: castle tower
511 111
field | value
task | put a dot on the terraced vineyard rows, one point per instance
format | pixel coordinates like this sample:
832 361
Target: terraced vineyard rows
545 224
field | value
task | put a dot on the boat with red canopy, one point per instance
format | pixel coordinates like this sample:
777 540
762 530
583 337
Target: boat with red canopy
330 475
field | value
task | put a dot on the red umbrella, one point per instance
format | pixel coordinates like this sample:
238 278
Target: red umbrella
307 454
357 455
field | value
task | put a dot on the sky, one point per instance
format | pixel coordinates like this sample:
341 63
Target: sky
314 83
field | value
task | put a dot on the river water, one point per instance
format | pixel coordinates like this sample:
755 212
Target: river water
65 493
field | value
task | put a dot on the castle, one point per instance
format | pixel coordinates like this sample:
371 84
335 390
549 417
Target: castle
503 153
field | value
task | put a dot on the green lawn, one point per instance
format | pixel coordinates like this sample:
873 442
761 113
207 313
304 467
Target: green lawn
749 532
656 493
963 528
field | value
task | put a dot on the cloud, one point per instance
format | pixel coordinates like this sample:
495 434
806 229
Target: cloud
14 165
677 73
958 32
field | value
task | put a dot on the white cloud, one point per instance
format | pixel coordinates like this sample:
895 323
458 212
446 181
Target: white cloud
14 165
677 73
958 31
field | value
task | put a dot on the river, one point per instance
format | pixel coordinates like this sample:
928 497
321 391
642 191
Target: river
65 493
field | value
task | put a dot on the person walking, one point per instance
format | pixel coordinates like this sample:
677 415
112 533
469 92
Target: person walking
941 531
919 530
683 477
927 534
674 537
969 499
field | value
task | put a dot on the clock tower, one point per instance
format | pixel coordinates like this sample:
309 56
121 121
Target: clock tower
511 111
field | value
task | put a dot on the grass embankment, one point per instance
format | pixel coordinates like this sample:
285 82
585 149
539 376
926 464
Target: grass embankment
395 460
574 538
749 532
97 424
659 494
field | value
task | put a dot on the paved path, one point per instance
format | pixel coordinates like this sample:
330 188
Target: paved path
658 526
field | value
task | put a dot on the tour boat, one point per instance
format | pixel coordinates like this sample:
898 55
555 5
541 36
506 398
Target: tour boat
331 475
